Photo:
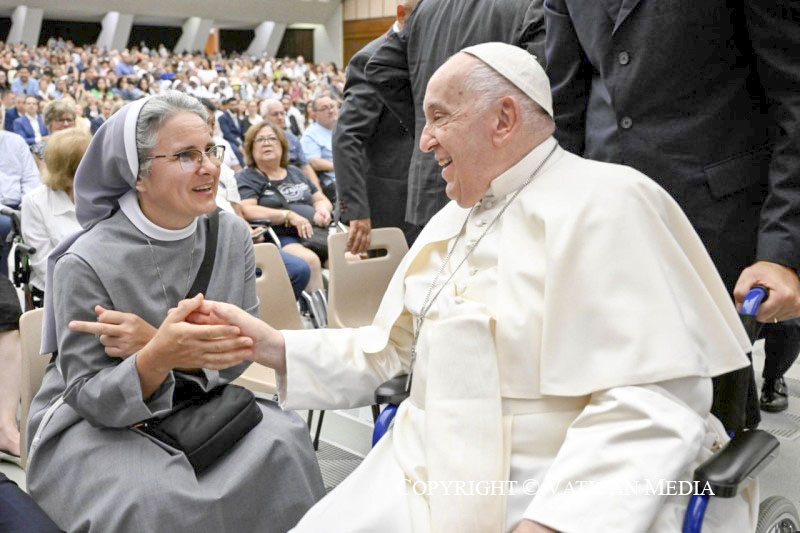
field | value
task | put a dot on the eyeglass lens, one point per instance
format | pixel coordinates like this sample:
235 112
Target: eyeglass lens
191 159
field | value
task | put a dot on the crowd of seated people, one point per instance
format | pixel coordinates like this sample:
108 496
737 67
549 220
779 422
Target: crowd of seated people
88 77
61 85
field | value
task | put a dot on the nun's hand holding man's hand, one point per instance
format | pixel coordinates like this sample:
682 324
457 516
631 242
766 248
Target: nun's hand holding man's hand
178 344
269 348
122 334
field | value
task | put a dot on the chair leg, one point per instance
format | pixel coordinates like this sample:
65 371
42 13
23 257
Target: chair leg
319 429
321 307
310 418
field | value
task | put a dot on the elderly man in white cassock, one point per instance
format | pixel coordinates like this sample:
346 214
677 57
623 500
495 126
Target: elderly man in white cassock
562 321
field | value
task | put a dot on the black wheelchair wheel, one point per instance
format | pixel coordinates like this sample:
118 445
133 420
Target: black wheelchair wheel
776 514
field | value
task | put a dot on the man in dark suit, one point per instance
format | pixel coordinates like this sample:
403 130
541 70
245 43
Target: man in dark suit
401 67
698 96
31 125
13 113
231 128
371 151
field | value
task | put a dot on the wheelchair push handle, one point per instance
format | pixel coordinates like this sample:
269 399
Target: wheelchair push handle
755 297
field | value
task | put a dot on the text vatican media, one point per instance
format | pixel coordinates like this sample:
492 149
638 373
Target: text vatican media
646 487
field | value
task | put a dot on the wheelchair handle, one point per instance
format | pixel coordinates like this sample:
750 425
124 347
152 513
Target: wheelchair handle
755 297
24 248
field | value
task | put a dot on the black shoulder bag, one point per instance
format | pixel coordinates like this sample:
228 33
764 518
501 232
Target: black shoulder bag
205 425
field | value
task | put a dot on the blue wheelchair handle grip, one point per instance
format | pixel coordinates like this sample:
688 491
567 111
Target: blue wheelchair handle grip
755 297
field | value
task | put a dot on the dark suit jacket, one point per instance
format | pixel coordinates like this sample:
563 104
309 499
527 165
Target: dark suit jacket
401 67
700 93
96 123
371 151
22 126
230 131
11 115
698 96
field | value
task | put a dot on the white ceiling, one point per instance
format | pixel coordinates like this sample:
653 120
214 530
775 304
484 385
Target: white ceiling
228 14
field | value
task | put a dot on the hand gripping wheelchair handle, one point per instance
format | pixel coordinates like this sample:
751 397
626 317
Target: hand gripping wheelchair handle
755 297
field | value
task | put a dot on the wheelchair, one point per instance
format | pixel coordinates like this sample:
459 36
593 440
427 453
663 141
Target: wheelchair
747 454
21 273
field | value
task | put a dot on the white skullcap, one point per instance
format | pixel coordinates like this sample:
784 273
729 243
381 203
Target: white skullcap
519 67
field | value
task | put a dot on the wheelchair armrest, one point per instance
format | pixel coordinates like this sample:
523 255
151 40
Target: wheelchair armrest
392 391
260 222
744 456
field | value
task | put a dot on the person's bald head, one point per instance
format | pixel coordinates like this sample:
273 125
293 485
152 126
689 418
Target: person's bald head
478 124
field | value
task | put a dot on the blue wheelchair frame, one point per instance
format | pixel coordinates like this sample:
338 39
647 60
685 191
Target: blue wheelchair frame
743 457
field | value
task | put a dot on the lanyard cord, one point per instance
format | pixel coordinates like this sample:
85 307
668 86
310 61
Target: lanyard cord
428 302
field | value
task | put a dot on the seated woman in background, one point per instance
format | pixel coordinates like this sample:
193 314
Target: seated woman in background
58 115
271 188
48 211
145 196
228 199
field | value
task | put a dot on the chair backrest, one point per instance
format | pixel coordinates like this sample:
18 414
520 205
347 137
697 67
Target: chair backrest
33 365
277 307
356 288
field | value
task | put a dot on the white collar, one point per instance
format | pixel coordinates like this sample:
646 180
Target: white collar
514 177
60 202
396 27
129 204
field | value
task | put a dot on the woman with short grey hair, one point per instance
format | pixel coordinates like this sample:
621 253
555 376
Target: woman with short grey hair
114 312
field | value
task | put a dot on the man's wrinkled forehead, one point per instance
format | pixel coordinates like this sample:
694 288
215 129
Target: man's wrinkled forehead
446 86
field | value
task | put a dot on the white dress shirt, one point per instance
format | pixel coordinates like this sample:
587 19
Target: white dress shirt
37 132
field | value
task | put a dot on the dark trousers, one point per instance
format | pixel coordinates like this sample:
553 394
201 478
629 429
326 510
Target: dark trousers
19 513
781 344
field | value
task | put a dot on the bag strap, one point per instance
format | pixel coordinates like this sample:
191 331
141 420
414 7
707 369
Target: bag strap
204 274
277 191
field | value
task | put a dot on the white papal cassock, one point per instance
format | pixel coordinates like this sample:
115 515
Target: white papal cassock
570 357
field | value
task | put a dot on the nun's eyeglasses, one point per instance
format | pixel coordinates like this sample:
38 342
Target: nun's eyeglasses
191 159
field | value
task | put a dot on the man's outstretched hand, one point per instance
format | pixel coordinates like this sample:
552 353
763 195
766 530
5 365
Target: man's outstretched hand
269 348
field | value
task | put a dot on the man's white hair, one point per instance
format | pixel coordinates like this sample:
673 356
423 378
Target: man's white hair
487 86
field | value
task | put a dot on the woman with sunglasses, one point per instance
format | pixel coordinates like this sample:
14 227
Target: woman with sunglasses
145 196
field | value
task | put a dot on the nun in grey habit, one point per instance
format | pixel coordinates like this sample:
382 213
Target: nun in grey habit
143 241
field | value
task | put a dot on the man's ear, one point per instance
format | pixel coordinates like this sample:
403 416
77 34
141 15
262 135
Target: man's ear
401 14
507 119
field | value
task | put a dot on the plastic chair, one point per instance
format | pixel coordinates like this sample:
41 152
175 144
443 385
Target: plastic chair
356 288
33 366
277 307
